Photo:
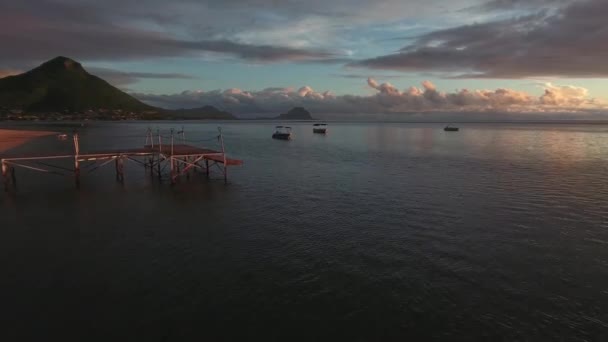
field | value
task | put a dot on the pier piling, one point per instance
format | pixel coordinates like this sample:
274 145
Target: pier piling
76 160
120 175
13 177
5 175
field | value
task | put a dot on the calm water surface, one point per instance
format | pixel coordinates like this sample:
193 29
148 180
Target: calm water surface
375 232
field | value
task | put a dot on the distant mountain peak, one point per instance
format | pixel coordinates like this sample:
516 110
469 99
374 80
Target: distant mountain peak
61 59
61 63
62 84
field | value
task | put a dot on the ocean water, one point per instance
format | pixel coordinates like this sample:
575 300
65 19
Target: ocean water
374 232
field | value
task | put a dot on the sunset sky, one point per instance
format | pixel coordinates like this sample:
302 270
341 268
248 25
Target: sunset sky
256 56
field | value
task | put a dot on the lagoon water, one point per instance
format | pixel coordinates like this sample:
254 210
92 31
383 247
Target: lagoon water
374 232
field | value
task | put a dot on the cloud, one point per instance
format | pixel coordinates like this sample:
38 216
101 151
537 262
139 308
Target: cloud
387 99
123 44
263 53
116 77
564 95
122 78
258 30
40 29
364 76
562 43
496 5
384 88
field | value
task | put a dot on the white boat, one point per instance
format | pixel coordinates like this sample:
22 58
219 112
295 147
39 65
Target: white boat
319 128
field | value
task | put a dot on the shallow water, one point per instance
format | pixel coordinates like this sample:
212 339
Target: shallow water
374 232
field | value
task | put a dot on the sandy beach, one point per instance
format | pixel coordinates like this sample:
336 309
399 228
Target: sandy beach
12 138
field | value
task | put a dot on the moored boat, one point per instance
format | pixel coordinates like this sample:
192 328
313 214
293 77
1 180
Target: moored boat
319 128
282 133
449 128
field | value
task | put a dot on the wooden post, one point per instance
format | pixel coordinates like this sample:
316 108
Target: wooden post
172 171
160 176
121 165
160 142
171 143
151 166
207 167
173 164
187 159
160 150
13 177
76 161
148 135
151 159
77 176
223 155
120 176
5 175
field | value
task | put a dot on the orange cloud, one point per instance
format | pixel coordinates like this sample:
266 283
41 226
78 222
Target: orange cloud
387 99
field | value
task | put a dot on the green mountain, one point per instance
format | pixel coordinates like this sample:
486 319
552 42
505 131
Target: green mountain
296 113
62 84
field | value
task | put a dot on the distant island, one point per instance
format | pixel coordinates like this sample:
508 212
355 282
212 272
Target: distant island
61 89
296 113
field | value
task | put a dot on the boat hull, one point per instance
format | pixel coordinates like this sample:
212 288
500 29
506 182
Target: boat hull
451 129
281 136
319 130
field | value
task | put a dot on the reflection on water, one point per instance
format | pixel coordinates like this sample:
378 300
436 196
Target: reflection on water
372 232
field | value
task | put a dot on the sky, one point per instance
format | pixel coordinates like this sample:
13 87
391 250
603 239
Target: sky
384 57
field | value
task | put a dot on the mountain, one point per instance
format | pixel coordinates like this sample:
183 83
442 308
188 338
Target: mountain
62 84
206 112
296 113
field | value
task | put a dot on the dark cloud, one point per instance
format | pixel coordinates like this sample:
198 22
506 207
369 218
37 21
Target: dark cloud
116 77
40 29
264 53
387 99
496 5
566 43
365 76
252 30
122 78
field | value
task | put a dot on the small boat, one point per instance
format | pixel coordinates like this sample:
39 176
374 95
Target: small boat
449 128
282 133
319 128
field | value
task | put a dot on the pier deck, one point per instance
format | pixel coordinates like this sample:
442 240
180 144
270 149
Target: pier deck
181 159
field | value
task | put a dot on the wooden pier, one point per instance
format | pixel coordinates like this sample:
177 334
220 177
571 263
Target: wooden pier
180 160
